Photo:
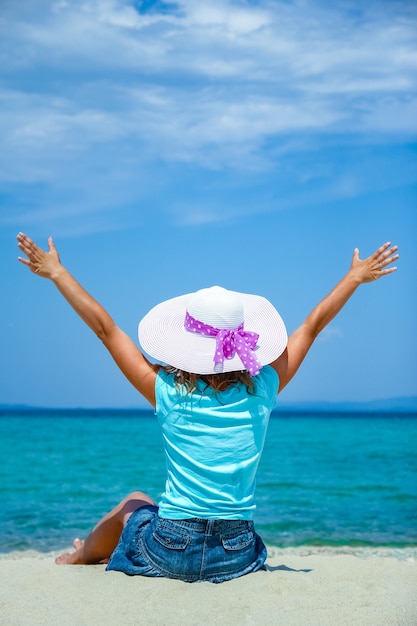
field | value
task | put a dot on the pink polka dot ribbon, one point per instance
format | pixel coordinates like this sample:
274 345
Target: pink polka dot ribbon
228 343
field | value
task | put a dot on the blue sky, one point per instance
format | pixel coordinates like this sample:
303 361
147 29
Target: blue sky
172 146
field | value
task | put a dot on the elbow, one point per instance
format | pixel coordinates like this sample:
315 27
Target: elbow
105 331
101 335
312 329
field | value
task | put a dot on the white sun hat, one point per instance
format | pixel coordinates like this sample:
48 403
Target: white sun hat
213 330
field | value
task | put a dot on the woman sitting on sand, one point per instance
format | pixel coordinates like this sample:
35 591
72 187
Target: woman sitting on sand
226 356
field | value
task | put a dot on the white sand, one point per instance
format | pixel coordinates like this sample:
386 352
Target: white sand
324 589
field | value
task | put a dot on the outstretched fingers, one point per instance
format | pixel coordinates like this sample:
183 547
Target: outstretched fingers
28 247
376 265
384 256
51 245
39 261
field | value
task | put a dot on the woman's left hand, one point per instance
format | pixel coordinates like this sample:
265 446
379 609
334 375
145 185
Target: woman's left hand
40 262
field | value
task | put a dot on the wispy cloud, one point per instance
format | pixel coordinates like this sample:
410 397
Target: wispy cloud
330 333
219 85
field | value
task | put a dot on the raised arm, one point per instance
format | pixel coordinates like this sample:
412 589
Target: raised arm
361 271
125 353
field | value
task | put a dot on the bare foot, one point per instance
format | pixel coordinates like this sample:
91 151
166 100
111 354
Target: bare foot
76 557
71 558
66 559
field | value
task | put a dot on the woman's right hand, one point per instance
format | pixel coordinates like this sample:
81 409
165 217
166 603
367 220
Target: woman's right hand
45 264
301 340
376 265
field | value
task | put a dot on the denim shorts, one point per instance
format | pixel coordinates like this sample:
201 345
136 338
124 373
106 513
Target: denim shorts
190 549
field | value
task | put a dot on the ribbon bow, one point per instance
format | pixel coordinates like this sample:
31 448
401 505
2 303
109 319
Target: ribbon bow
228 343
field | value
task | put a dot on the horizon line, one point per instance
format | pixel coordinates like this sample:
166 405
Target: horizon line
407 405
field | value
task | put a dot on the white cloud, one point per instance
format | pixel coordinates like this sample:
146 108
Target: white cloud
197 215
225 17
95 90
330 333
279 43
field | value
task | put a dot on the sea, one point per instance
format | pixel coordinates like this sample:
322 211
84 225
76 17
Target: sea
327 481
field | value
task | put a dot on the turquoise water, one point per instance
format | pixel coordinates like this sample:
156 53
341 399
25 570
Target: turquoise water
324 480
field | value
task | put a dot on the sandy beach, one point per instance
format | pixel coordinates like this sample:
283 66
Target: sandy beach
375 588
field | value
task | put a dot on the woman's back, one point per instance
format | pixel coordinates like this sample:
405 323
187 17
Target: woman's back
213 443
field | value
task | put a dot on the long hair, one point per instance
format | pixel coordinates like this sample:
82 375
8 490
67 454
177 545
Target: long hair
217 382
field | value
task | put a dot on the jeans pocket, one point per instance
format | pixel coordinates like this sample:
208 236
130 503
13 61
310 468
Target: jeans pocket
170 539
239 542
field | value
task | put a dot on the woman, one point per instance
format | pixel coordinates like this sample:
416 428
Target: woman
226 356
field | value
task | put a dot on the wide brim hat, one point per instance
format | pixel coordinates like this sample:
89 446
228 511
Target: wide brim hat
164 338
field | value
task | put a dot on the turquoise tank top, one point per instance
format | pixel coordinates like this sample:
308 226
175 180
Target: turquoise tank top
213 443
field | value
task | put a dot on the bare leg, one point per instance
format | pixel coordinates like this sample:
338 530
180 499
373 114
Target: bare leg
103 539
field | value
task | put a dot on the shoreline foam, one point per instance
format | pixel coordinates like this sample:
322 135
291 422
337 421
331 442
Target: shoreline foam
361 552
364 552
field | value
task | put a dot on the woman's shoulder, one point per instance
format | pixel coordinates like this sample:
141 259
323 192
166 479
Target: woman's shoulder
268 373
165 378
267 381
